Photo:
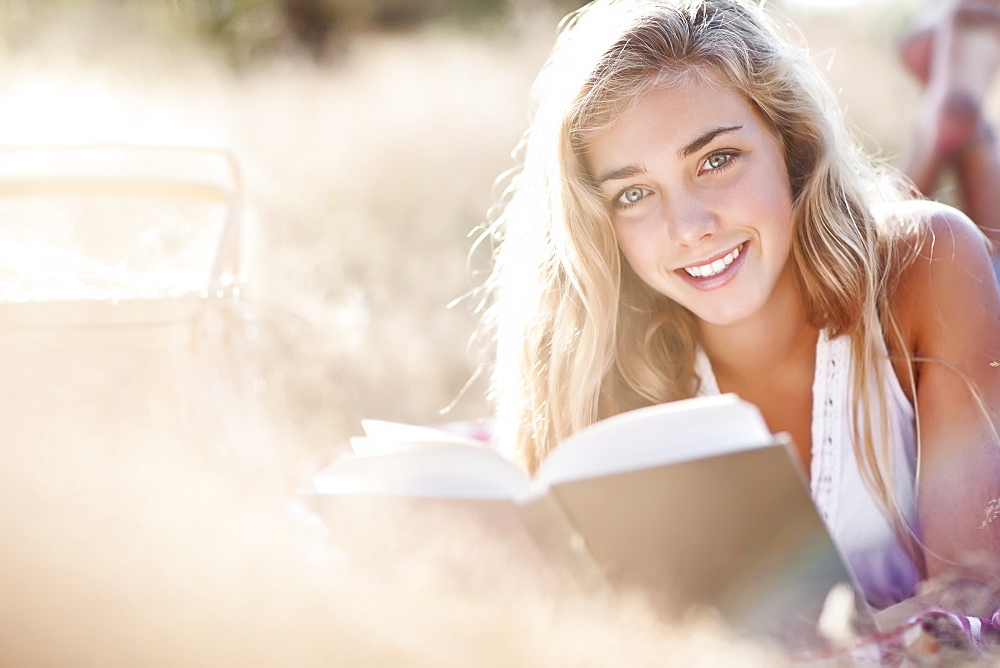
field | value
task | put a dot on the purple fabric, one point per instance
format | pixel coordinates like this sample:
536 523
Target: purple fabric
933 637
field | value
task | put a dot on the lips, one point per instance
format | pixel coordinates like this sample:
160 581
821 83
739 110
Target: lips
705 276
714 267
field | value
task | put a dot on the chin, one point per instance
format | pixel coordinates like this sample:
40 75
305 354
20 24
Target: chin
725 317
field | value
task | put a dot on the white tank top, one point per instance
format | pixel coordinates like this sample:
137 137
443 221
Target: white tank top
865 538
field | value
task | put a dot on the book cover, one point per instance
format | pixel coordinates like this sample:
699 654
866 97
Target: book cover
692 505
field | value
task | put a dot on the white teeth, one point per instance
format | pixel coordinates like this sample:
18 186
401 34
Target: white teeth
713 268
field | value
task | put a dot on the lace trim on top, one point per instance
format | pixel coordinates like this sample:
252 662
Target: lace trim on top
831 428
828 416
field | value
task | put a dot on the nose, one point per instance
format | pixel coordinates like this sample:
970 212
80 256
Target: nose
689 220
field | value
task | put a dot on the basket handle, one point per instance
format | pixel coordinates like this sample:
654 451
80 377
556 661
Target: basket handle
227 266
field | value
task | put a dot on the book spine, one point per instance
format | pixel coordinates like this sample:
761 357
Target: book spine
563 545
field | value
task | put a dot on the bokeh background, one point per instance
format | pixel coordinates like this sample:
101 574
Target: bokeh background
371 134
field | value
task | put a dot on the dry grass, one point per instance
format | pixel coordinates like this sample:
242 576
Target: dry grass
364 176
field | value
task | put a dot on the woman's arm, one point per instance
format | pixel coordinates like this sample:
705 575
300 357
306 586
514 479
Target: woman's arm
949 305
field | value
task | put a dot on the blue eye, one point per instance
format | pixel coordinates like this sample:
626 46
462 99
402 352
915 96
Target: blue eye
631 195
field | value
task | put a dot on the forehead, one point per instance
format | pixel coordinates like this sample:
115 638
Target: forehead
669 114
605 104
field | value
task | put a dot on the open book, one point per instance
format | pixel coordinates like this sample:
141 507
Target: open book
693 503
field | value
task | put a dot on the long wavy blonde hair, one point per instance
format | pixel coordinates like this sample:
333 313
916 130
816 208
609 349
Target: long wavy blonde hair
578 336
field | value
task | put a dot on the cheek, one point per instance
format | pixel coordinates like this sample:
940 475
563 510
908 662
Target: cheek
783 221
772 199
636 248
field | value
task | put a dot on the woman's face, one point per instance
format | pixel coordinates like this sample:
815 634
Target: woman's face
698 192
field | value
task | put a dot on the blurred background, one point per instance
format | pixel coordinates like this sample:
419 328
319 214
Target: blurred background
370 134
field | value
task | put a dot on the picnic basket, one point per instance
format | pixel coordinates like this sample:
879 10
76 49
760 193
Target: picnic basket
120 278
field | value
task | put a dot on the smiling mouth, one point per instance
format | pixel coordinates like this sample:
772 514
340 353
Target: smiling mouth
714 268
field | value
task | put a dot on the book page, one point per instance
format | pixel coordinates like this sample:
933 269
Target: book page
386 429
664 434
383 436
427 469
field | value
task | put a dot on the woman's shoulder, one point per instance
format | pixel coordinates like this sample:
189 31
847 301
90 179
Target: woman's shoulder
934 230
947 272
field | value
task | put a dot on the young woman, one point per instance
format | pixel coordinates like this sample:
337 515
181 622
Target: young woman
691 217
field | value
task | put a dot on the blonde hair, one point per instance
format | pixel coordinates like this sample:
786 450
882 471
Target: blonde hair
579 336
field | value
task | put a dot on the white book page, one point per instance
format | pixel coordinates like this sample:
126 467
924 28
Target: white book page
386 429
367 445
431 470
383 436
668 433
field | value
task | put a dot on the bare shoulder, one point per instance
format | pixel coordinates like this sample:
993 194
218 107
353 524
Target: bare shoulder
939 234
948 283
948 248
948 303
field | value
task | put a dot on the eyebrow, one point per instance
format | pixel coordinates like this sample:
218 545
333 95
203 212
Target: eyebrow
699 142
621 173
705 139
